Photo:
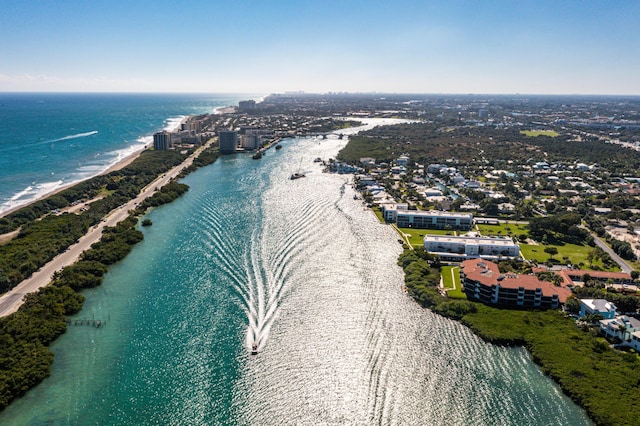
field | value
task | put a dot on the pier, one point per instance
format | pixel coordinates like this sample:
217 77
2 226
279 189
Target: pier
90 322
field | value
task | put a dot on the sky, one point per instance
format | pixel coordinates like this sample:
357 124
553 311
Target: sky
270 46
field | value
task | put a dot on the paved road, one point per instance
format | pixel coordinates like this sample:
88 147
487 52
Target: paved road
624 266
11 301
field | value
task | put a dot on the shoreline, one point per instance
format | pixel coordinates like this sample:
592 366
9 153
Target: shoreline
117 165
224 110
45 274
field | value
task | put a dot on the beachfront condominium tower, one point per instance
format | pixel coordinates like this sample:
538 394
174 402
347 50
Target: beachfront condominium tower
228 141
161 141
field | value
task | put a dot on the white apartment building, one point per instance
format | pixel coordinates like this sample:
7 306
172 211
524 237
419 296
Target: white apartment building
425 219
459 248
433 219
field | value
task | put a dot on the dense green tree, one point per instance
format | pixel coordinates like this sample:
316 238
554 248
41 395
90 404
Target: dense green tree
551 251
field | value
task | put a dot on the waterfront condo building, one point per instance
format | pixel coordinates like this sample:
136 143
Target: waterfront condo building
459 248
481 280
426 219
250 142
162 141
389 210
228 141
247 106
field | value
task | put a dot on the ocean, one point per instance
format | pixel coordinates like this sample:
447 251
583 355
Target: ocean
309 272
49 140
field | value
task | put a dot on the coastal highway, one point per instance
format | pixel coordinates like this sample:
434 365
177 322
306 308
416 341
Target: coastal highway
12 300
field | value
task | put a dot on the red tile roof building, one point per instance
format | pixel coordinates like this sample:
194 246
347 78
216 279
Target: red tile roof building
483 281
603 276
569 276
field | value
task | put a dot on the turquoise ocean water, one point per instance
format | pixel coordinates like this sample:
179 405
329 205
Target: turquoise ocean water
306 270
48 140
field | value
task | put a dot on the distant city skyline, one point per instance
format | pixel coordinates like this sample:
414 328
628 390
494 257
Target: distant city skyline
457 46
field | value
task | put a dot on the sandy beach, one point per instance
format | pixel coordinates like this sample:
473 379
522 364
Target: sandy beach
125 161
13 299
225 110
116 166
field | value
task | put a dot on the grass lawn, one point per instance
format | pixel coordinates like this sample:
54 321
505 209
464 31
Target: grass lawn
417 235
447 278
535 133
451 282
503 229
378 213
576 254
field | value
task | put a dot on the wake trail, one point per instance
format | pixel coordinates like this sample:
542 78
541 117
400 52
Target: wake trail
64 138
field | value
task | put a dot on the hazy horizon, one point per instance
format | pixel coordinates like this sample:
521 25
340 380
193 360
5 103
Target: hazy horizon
411 47
330 92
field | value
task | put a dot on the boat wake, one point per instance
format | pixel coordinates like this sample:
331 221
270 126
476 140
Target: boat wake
258 280
261 302
261 267
76 136
64 138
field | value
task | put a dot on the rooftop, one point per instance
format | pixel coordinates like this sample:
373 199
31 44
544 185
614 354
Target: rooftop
464 239
599 305
437 213
488 274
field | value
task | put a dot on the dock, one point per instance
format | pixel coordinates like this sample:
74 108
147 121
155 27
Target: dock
90 322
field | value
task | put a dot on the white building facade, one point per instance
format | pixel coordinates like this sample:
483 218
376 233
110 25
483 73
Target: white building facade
433 219
459 248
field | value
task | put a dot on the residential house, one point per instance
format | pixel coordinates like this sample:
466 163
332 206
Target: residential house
403 160
635 341
620 327
572 276
597 306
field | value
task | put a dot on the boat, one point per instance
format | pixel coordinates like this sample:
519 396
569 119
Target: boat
298 174
278 147
254 349
257 155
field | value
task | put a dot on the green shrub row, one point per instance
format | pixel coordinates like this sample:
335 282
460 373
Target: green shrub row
25 359
39 241
422 277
